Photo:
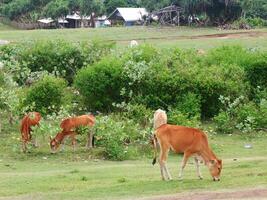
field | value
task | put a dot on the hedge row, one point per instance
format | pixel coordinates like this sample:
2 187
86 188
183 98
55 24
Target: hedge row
178 79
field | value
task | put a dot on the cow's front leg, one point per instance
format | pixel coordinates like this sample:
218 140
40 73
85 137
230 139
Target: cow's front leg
198 168
184 161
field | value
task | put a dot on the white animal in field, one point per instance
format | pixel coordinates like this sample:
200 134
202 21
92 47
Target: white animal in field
133 43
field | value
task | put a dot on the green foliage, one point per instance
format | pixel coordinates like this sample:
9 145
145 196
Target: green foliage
256 71
178 118
189 104
139 113
100 84
30 61
57 57
257 22
56 9
116 135
241 114
46 96
95 50
224 123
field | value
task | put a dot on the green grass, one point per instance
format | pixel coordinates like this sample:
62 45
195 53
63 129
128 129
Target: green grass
162 37
41 175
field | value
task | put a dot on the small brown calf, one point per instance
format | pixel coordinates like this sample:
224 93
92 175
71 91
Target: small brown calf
180 139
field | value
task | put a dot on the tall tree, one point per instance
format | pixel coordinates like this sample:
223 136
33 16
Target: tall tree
91 8
56 9
111 5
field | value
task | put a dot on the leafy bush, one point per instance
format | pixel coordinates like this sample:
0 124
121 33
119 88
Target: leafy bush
115 135
224 123
256 22
139 113
94 51
100 84
241 114
256 71
46 96
175 116
57 57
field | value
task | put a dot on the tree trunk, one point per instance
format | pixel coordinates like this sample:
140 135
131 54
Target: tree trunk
92 21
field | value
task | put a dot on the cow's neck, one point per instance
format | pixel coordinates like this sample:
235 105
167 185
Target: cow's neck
207 155
60 136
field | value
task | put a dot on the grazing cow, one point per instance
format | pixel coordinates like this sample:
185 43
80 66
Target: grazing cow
180 139
68 125
29 120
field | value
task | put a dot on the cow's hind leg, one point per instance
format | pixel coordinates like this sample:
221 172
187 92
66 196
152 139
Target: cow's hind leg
185 158
73 141
162 161
198 168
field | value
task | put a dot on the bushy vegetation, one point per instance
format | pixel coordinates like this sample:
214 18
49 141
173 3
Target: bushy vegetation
226 85
211 12
46 95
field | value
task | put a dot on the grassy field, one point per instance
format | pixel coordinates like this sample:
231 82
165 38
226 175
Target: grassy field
41 175
184 37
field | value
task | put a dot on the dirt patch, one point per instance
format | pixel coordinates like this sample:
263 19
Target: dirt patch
259 193
246 34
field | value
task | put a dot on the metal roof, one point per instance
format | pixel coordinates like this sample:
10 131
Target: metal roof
46 20
129 14
74 16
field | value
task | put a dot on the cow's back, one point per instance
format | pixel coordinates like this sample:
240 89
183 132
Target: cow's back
74 122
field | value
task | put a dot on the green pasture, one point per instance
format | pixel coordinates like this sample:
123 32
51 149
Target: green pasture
86 175
184 37
80 175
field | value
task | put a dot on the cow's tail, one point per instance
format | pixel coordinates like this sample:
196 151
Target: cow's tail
154 143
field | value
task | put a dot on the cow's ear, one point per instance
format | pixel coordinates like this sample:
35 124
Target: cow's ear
220 161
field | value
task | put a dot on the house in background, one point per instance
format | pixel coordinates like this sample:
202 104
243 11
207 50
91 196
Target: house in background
46 23
102 22
74 21
127 16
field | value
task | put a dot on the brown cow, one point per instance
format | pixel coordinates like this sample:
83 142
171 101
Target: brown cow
29 120
68 125
190 141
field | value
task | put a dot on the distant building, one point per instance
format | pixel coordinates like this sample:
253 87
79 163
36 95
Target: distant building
46 23
74 21
127 16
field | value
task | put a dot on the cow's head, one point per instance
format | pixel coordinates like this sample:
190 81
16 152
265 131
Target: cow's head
215 167
54 144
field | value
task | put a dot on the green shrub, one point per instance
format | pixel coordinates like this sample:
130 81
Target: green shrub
100 84
115 135
175 116
189 104
224 123
140 53
256 22
46 96
94 51
256 71
139 113
58 57
241 114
